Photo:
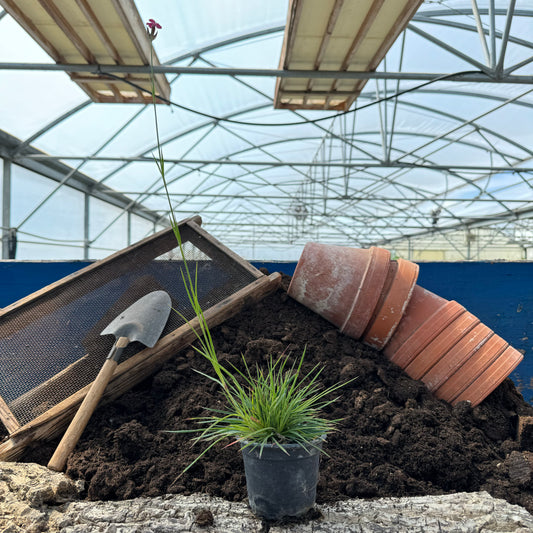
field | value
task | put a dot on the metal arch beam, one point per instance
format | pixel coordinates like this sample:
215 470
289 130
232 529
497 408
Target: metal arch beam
55 170
262 147
481 31
462 177
468 11
506 36
294 112
463 26
83 105
181 134
370 217
219 162
472 121
266 164
54 122
339 197
518 214
67 176
484 76
465 57
262 106
356 164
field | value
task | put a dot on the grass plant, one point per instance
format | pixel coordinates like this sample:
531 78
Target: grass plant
279 405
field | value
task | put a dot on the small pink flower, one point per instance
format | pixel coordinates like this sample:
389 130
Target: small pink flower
151 29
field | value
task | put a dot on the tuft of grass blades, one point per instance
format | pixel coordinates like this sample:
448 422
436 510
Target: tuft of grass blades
277 406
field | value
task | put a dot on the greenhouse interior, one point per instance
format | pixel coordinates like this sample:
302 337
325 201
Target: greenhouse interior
351 180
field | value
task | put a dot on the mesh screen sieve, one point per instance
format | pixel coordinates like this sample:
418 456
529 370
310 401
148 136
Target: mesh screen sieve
51 346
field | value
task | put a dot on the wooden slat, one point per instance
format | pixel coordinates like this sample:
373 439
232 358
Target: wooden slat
63 24
51 385
406 15
136 368
293 18
332 21
361 34
99 30
293 15
224 253
7 417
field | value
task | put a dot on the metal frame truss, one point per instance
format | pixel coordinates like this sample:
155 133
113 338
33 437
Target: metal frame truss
342 179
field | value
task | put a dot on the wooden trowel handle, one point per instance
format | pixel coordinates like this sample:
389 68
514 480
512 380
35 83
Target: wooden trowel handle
87 407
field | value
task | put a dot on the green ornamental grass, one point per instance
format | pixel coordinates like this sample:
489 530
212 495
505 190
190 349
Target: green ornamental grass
278 405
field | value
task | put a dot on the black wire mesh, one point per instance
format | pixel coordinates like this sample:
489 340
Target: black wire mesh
51 347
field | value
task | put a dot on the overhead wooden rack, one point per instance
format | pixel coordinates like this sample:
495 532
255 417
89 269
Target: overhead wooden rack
93 32
336 35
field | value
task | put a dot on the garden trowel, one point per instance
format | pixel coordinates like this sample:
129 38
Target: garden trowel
142 321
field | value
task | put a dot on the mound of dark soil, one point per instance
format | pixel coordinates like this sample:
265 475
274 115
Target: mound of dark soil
396 439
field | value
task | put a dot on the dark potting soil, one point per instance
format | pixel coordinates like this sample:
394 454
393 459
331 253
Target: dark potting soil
396 439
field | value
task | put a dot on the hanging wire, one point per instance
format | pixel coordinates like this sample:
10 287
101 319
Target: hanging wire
278 124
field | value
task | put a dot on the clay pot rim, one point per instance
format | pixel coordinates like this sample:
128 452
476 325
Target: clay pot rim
441 344
473 367
454 359
491 377
367 297
427 332
394 304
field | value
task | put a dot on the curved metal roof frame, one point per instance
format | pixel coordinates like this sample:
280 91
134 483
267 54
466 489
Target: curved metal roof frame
271 180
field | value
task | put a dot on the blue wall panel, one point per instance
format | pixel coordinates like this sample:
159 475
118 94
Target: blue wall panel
499 294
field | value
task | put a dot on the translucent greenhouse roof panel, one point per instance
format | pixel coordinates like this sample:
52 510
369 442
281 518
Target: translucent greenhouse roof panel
424 150
42 95
190 26
94 32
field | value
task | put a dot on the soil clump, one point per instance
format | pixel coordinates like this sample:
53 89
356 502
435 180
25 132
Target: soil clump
396 439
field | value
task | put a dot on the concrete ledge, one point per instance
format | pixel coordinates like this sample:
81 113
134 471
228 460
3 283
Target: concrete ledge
33 498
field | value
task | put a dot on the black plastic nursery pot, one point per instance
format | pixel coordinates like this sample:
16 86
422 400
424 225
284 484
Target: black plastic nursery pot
281 482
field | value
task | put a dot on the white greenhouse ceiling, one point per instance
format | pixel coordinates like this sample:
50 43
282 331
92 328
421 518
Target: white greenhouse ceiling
432 160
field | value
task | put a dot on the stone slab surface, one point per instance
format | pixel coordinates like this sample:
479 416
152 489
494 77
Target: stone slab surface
34 499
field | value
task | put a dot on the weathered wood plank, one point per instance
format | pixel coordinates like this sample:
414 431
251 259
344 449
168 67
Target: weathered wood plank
7 417
221 250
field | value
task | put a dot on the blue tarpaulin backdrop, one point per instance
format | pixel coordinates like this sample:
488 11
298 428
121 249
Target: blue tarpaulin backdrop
500 294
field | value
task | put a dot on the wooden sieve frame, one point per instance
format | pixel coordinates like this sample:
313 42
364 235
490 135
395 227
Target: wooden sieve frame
132 371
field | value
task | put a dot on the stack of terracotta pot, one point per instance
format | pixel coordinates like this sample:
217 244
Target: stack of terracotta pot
375 299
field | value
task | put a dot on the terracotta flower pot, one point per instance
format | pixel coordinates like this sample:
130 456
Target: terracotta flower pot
434 340
491 377
343 285
393 302
426 316
445 341
471 369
